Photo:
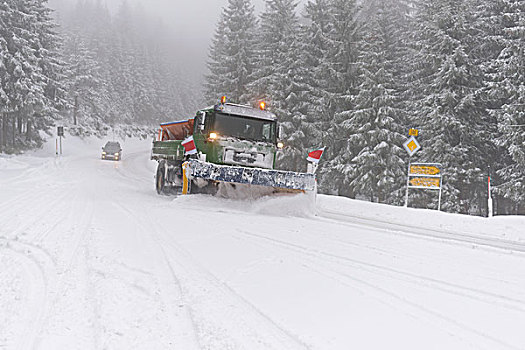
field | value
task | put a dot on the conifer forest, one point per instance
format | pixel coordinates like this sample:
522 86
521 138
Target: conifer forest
351 76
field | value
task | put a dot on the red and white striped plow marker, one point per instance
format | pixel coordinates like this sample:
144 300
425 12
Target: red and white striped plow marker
315 156
189 146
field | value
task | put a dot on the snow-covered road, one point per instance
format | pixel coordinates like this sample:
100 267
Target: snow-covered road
92 258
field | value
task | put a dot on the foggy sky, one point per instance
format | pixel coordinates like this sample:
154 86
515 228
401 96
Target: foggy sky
193 24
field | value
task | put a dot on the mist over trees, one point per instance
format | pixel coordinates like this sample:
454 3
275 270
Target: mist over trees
355 76
121 67
88 67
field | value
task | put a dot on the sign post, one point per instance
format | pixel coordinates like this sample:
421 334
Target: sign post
426 176
490 202
411 145
60 133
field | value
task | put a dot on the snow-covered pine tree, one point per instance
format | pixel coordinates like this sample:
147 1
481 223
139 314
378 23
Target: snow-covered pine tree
31 72
215 81
343 73
280 77
315 47
455 124
50 56
509 86
232 55
376 126
85 92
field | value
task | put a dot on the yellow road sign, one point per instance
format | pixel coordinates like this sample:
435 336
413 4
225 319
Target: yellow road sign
426 182
411 145
424 170
413 132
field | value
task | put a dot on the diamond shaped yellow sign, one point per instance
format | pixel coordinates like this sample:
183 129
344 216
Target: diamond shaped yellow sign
412 146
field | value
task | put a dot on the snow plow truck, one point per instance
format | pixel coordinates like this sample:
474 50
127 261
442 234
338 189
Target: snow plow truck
224 149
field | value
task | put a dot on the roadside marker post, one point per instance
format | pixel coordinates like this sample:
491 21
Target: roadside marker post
60 133
490 202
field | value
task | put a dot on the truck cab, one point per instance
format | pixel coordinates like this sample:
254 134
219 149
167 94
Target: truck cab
232 134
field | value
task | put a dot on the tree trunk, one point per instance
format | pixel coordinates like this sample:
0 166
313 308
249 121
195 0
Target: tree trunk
13 131
5 120
75 111
19 125
2 139
28 129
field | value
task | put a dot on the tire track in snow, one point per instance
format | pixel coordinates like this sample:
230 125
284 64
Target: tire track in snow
421 280
505 301
41 272
195 285
286 338
35 216
181 303
318 256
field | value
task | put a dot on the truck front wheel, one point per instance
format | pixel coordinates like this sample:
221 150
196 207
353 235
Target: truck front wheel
160 178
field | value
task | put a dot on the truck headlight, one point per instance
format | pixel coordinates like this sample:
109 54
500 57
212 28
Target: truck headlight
116 154
280 145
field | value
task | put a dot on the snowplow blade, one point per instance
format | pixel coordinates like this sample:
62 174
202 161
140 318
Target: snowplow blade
250 176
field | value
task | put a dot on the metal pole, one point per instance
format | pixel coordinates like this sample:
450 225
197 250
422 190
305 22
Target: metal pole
440 189
60 145
489 203
408 181
56 147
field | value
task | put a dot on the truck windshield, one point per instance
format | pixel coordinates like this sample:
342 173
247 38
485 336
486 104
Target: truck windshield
244 128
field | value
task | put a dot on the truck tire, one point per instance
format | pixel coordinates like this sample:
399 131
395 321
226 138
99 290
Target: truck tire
160 178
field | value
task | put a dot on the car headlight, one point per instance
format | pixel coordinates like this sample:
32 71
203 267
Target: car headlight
103 153
116 154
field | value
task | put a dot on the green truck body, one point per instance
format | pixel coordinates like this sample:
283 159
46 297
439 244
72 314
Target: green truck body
234 144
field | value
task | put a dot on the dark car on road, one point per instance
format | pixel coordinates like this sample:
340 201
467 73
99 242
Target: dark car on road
112 150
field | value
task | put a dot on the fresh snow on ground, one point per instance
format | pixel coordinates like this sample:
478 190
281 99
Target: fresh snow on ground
92 258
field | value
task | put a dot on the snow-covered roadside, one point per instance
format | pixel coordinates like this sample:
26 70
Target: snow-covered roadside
503 227
93 258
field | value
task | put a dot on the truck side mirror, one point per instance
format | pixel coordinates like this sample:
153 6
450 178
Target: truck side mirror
202 121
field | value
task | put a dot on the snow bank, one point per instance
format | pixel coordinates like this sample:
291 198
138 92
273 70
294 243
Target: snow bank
505 227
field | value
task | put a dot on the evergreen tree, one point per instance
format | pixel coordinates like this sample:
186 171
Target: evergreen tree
280 77
456 128
376 126
343 72
31 79
232 55
85 91
315 51
510 86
